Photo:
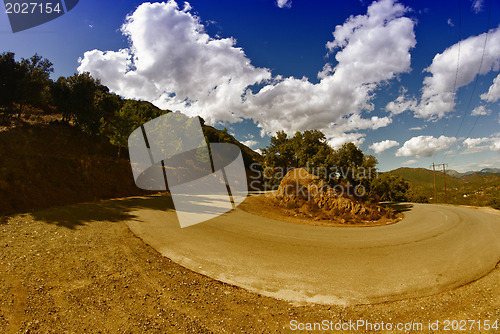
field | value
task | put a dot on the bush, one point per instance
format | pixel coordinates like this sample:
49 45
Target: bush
390 188
494 203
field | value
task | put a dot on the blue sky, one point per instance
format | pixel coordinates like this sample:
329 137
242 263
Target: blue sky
382 74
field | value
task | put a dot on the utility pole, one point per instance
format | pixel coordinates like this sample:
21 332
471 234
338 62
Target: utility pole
435 189
444 174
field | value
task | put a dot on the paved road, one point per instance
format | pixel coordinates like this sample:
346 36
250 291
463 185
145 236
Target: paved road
434 248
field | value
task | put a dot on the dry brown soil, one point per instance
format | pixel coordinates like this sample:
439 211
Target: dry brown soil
79 269
267 206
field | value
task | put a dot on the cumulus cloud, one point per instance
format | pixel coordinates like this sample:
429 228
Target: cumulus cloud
410 162
480 110
474 145
495 144
336 142
174 63
371 49
477 6
250 143
383 145
438 97
284 3
424 146
402 104
493 93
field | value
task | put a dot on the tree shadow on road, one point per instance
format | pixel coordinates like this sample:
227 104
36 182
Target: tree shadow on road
71 216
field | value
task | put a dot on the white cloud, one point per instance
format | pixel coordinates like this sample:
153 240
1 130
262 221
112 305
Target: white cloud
474 145
187 7
371 49
477 5
250 143
417 128
284 3
495 144
175 64
402 104
480 110
375 46
450 23
410 162
344 138
438 97
383 145
493 162
424 146
260 151
493 93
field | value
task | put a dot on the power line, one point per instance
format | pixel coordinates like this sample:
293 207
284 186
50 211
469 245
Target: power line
475 81
475 122
435 189
454 91
444 178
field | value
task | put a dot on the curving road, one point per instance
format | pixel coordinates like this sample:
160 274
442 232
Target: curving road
434 248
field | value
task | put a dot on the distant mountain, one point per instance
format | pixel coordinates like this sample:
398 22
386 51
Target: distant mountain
477 188
484 171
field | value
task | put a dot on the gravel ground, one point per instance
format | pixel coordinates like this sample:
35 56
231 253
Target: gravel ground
59 274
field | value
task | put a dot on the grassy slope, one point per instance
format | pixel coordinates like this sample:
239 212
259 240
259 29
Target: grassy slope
478 189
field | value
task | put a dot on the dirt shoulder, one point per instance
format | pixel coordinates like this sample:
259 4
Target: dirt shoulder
86 272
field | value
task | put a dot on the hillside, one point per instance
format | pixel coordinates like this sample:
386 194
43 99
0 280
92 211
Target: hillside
48 164
475 189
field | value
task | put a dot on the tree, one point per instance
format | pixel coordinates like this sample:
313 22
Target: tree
310 148
307 149
83 94
84 100
126 119
348 159
23 83
388 187
34 83
279 157
60 92
10 75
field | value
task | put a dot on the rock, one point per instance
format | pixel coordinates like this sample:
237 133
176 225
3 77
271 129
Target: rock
313 197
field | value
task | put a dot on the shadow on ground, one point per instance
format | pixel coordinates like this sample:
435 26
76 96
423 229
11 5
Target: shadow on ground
71 216
398 207
4 219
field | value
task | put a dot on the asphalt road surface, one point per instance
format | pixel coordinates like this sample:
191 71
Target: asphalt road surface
434 248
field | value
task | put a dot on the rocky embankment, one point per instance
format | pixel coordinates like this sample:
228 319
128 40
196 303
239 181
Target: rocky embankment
309 195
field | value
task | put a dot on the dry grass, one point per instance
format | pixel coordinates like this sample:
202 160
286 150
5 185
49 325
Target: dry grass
268 206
